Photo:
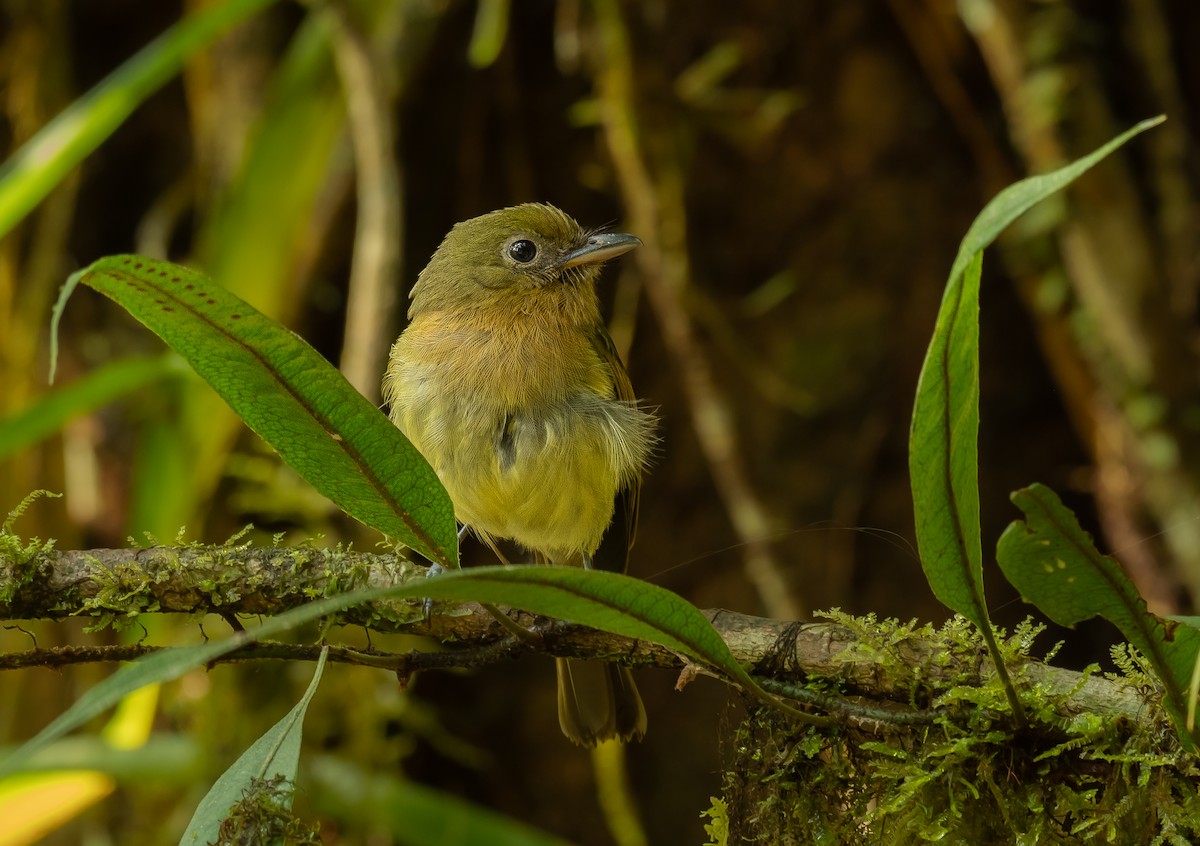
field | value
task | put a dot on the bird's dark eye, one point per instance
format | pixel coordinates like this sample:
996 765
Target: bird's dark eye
523 251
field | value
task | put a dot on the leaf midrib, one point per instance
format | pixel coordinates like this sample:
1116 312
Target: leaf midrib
948 466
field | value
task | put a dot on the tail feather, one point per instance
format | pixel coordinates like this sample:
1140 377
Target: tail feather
598 701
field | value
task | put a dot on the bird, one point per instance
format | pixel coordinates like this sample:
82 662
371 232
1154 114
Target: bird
507 382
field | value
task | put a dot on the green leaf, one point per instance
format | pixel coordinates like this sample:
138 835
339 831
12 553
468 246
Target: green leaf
277 752
943 443
414 815
1019 197
43 161
1055 566
291 396
491 30
167 759
942 453
255 240
95 390
169 664
609 601
612 602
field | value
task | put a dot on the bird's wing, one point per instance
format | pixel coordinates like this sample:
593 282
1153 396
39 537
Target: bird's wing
613 553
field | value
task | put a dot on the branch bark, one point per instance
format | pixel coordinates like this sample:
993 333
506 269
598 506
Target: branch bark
117 584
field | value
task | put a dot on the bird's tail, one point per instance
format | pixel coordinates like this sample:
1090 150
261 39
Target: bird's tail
598 701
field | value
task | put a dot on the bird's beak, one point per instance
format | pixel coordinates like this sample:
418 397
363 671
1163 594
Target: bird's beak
599 248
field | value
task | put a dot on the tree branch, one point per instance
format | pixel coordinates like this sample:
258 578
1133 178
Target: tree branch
900 667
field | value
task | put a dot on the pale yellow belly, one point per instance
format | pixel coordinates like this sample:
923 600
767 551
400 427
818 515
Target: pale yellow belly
546 480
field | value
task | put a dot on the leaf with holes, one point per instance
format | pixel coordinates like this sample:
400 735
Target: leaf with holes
1055 566
290 395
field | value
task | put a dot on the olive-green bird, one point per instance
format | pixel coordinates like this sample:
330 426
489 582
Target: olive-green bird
507 382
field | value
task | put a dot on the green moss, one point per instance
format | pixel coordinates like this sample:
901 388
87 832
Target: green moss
195 575
124 593
968 775
16 553
718 829
263 816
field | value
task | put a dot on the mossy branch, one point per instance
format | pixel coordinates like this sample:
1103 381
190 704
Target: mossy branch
864 662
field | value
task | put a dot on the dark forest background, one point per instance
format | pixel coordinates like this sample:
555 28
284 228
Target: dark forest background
801 174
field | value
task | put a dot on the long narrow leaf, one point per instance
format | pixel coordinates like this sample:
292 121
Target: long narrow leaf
161 666
91 392
275 753
943 444
291 396
169 664
612 602
256 242
943 460
34 170
609 601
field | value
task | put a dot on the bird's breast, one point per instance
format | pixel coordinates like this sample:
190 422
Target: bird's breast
517 363
522 427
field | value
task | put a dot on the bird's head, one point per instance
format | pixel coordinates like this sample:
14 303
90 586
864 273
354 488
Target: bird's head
516 257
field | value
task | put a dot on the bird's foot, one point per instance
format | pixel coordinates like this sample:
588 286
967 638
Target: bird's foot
435 569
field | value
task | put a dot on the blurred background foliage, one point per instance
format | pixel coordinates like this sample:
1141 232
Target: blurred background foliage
801 174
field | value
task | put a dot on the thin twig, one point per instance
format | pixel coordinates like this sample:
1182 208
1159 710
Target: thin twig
402 663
